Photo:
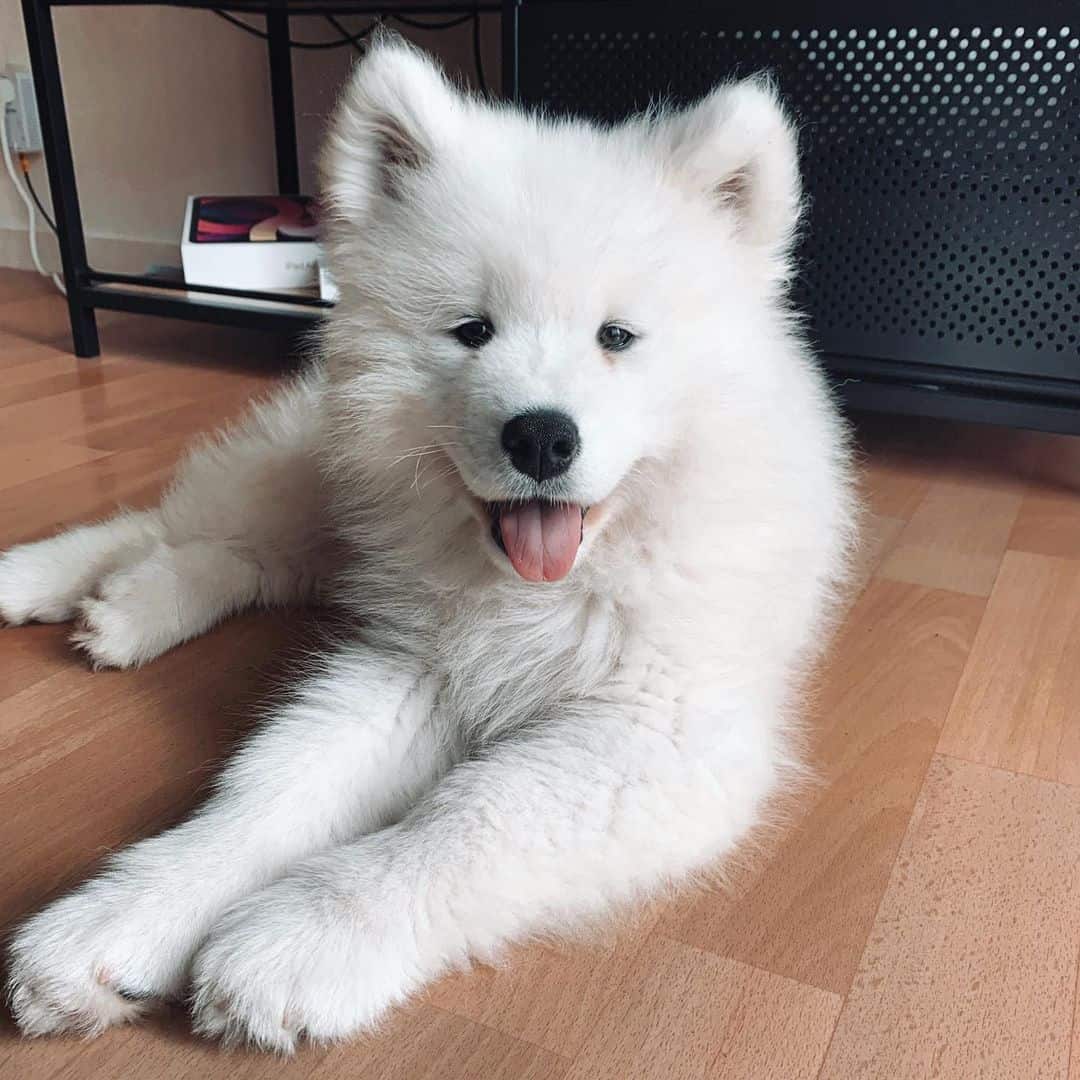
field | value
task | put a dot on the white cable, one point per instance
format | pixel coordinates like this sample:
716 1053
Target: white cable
31 209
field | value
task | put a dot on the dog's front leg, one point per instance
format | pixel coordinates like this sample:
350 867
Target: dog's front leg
353 749
537 835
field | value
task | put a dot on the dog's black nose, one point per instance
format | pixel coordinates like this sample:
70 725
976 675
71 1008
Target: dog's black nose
541 444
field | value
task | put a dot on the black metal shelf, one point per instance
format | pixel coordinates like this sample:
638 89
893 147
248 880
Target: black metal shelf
146 295
89 289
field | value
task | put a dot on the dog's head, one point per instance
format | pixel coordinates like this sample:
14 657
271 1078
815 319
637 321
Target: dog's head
532 308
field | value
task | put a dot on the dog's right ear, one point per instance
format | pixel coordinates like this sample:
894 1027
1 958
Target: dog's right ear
394 114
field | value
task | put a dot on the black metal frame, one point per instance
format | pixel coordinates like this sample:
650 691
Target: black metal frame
89 289
984 397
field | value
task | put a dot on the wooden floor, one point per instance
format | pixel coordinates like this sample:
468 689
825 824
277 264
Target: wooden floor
919 916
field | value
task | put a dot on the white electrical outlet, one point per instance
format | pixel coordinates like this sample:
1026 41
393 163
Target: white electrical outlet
21 114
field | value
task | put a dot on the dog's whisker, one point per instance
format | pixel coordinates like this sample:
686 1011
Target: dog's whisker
449 471
423 446
422 466
421 452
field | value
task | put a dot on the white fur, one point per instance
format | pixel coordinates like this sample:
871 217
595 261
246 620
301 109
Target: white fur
485 759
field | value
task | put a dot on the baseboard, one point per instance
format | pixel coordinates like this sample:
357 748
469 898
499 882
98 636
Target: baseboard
122 254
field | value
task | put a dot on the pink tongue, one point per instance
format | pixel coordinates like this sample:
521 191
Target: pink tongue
541 540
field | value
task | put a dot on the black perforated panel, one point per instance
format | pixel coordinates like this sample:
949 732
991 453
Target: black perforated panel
941 159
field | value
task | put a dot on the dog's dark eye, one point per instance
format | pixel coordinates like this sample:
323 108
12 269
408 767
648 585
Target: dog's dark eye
613 337
475 333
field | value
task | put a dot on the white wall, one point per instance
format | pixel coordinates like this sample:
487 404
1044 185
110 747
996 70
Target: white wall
163 103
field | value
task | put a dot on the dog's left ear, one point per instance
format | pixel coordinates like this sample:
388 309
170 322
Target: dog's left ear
738 147
395 113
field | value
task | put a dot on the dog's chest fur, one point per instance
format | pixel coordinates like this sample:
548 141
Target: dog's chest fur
508 664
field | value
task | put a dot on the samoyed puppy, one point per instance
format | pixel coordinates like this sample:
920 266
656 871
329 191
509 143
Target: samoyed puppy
567 457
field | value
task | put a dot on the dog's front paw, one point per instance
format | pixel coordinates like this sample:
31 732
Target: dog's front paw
93 959
301 960
109 631
132 617
47 580
37 585
52 991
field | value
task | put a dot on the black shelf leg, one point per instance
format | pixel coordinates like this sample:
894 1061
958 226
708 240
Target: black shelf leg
41 40
281 99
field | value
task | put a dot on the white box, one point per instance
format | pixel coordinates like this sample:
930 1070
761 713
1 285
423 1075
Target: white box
328 289
246 262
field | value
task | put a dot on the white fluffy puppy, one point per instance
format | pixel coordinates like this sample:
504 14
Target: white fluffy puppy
567 457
